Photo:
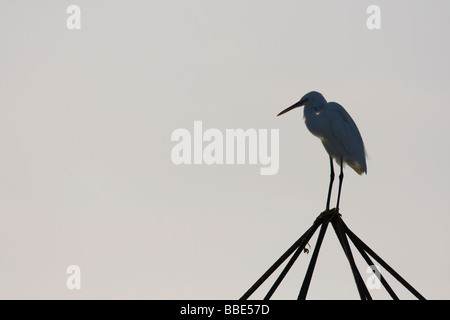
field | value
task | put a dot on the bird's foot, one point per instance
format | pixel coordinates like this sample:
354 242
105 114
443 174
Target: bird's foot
328 214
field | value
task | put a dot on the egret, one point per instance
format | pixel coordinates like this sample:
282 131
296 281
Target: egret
338 132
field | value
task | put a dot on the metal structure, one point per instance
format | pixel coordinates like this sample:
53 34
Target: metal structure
344 234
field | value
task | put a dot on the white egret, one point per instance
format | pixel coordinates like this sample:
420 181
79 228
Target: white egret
338 132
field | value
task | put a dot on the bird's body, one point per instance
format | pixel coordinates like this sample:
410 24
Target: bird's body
338 132
331 123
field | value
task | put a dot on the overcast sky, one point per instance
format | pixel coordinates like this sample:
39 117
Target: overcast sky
86 118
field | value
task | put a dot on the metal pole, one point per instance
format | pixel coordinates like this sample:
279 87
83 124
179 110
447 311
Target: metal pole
362 289
301 242
383 263
370 263
312 263
283 273
342 231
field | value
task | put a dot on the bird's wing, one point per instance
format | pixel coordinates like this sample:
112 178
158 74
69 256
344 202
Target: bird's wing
344 137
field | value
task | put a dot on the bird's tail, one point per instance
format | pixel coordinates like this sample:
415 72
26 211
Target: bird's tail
360 169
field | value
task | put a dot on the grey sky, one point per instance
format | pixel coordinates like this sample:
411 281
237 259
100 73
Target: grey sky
86 176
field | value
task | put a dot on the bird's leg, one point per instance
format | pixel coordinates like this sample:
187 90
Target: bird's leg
341 178
331 184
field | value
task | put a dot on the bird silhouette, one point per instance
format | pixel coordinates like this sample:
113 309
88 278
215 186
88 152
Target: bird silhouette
331 123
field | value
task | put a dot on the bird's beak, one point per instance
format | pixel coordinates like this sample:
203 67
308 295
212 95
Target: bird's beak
295 105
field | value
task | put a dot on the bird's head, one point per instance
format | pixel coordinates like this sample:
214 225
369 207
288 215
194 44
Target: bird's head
311 98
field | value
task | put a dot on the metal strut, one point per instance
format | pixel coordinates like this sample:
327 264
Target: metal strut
344 234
